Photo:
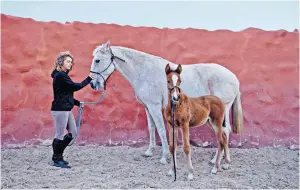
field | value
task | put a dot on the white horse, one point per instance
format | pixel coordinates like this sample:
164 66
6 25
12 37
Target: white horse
146 74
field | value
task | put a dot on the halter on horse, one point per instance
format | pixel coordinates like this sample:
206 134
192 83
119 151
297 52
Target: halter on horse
80 111
112 62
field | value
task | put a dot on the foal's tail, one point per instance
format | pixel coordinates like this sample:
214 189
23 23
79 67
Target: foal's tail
237 114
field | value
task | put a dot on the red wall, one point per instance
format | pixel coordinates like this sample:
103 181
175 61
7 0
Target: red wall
266 63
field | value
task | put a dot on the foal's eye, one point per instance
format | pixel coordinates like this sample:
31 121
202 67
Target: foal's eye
97 61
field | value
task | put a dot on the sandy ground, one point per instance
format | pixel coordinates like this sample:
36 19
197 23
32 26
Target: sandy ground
125 167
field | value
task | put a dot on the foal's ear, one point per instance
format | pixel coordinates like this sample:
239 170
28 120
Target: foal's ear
168 69
179 69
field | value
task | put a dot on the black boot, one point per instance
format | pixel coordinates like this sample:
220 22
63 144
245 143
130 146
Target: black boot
58 150
57 154
66 141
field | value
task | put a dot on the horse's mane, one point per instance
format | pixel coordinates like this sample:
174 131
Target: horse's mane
136 53
133 52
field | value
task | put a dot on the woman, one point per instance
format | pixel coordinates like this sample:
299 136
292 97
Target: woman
63 89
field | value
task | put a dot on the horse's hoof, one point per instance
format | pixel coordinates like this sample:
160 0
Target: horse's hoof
214 170
226 166
148 153
190 176
163 161
170 173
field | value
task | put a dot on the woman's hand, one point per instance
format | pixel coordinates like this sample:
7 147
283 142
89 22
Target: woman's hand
92 75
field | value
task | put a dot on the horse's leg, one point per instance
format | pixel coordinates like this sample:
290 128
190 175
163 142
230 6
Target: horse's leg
151 128
217 126
226 147
187 149
213 161
155 112
171 171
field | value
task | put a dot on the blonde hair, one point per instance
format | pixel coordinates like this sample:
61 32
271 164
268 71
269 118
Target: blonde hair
60 61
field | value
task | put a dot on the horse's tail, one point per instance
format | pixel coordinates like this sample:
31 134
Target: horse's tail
237 114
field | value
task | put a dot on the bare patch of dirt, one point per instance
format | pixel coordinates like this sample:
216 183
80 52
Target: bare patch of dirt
125 167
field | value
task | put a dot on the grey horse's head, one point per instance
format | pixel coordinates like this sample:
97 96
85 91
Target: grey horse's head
102 65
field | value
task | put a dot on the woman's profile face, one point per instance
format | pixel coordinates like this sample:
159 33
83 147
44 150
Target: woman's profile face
68 62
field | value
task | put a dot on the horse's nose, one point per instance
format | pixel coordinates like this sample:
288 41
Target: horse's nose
92 85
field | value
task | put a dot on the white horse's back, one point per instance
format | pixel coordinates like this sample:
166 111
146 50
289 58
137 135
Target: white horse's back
197 79
209 78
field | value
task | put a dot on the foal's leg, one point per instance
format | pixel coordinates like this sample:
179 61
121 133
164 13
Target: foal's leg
187 149
151 128
213 160
216 167
227 127
171 171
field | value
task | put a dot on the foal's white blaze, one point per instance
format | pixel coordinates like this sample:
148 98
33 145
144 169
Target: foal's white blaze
175 93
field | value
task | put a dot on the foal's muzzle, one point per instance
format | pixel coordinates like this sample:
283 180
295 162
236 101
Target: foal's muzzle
175 99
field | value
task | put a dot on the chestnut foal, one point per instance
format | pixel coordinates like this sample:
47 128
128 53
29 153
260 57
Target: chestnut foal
192 112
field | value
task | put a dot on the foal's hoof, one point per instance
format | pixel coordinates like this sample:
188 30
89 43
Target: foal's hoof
190 176
226 166
163 161
212 162
170 173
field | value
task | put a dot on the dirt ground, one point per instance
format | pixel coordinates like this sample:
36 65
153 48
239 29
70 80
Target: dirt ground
124 167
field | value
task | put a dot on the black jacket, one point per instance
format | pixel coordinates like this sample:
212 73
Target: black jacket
63 89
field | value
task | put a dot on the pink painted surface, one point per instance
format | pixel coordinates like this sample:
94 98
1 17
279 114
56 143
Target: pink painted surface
266 63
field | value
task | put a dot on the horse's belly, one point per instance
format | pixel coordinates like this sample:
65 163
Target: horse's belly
193 124
197 121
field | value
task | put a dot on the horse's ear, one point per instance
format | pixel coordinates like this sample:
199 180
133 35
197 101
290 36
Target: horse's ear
179 69
107 45
168 69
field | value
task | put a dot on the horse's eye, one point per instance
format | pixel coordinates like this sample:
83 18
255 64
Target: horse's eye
97 61
168 81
